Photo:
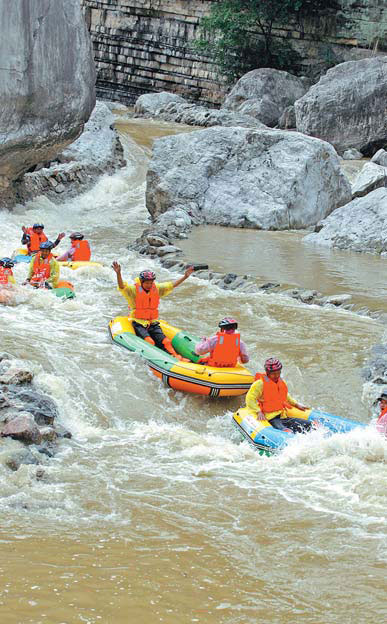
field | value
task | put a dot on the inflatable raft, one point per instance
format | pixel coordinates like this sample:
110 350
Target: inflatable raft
64 290
269 440
184 376
20 255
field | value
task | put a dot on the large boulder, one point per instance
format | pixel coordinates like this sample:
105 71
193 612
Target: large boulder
266 179
170 107
150 104
361 225
371 177
265 93
347 107
47 82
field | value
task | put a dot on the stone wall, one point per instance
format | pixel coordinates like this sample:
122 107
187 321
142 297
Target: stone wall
142 46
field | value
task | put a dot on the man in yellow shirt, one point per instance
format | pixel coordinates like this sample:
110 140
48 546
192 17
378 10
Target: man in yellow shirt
44 269
268 399
143 298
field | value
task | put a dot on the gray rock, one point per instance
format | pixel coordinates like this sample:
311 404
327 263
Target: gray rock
288 118
361 225
48 434
152 103
371 177
22 428
19 457
168 249
42 408
352 154
337 300
380 158
266 179
62 432
47 82
156 240
347 106
264 94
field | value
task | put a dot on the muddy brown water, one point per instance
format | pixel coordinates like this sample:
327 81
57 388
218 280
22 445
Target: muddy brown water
156 511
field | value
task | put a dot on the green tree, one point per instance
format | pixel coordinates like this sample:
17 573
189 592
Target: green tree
238 34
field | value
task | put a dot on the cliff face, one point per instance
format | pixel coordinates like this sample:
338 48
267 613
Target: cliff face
142 46
47 82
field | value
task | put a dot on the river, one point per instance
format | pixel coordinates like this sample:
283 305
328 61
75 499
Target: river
156 511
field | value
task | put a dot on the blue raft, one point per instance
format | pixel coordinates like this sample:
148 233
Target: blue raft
269 440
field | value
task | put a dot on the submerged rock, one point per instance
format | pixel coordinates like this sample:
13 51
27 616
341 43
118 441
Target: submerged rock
266 179
47 82
361 225
347 106
265 93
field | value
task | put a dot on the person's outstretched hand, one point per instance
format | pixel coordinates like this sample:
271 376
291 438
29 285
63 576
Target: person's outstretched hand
116 267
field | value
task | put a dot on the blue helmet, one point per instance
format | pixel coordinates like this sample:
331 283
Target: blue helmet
36 225
7 263
46 245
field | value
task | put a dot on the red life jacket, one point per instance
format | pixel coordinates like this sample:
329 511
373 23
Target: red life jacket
35 240
147 303
226 351
274 394
82 250
42 270
5 274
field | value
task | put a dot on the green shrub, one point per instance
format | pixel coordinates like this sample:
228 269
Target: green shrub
238 34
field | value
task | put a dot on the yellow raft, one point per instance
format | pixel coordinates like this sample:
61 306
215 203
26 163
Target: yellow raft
20 255
184 376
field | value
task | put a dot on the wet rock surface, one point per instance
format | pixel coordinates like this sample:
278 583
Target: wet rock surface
47 83
28 427
264 179
96 152
265 94
371 177
347 106
173 108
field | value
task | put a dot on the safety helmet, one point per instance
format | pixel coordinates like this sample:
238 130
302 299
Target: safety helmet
272 364
383 397
147 275
46 245
7 263
77 236
228 323
36 225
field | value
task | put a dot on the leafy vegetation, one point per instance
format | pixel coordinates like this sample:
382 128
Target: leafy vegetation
238 34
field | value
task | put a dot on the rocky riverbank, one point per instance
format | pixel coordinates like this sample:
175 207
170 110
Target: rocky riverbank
47 85
96 152
29 429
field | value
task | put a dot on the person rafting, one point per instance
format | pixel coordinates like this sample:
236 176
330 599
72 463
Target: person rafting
381 423
225 347
44 269
268 399
6 274
143 298
33 236
79 250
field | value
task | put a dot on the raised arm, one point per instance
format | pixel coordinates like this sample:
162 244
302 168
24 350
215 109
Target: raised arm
185 276
117 269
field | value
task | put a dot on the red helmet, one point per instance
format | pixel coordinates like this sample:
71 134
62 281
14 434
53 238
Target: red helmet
272 364
228 323
147 275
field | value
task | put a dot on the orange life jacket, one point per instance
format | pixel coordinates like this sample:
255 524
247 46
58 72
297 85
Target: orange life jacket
5 274
82 250
226 351
274 394
147 303
382 413
42 270
35 240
